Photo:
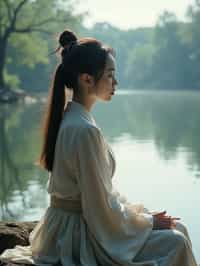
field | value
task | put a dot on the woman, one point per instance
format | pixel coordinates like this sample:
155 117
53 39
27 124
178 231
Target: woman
88 222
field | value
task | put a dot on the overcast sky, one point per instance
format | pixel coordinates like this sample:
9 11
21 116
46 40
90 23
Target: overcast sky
127 14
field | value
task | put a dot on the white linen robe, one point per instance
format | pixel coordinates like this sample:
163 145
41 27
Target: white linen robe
110 230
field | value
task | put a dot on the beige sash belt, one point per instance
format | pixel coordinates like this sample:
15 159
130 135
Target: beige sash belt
66 204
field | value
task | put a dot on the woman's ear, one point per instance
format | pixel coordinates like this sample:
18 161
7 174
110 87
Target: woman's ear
87 79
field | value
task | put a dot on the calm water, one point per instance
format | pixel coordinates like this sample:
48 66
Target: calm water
155 137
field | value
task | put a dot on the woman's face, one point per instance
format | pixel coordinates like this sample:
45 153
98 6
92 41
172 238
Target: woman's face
105 87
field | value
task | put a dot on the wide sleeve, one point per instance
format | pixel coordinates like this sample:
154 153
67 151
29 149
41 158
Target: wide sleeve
137 207
120 230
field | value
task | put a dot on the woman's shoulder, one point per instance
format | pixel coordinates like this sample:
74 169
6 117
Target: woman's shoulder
78 122
80 130
89 130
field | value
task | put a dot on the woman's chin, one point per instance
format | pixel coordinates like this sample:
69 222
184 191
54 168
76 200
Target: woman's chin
107 98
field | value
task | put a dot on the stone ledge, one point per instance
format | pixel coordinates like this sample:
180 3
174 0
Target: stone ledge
15 233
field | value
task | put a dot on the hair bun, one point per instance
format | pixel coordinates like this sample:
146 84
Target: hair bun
66 37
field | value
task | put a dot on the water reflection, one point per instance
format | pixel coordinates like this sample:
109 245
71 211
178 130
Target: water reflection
19 147
170 121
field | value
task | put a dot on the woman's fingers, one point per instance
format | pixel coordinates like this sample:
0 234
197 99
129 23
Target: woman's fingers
163 221
162 215
160 223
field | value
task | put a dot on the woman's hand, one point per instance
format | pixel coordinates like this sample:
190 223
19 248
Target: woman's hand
163 221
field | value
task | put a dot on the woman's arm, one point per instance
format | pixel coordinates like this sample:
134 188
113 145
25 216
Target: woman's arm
120 230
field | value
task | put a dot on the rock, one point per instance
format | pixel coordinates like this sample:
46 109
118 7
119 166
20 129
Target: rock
7 96
15 233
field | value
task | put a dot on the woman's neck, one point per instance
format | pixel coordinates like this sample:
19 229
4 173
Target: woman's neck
87 102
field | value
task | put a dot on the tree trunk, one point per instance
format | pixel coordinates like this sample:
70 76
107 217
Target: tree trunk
3 46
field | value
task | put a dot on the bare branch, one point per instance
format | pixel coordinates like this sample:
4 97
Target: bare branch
36 27
33 26
21 4
14 17
16 11
31 29
46 21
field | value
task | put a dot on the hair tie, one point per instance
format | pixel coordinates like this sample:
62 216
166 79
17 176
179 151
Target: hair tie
66 46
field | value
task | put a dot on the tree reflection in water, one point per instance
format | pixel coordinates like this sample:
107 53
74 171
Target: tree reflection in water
18 151
169 120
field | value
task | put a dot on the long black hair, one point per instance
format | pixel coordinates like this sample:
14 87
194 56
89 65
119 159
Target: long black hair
85 55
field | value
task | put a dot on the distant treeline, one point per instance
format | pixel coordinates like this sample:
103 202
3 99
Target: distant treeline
164 57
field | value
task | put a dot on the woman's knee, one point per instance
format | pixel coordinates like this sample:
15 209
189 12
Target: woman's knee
179 239
181 227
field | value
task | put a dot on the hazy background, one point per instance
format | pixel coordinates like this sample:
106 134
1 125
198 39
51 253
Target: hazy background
157 43
129 14
152 122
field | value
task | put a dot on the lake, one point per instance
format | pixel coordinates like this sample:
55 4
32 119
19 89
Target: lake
155 138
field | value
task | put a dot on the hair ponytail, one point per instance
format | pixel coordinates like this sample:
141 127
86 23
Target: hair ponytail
53 117
85 55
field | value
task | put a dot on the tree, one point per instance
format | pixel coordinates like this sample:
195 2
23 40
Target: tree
171 60
124 43
139 65
193 39
33 18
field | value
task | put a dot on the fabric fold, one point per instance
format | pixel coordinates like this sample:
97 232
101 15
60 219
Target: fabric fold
115 226
109 230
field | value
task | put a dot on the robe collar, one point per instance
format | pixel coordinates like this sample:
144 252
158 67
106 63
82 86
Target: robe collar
77 107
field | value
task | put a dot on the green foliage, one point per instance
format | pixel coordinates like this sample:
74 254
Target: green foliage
26 30
28 50
11 79
171 59
164 57
193 14
139 65
124 43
